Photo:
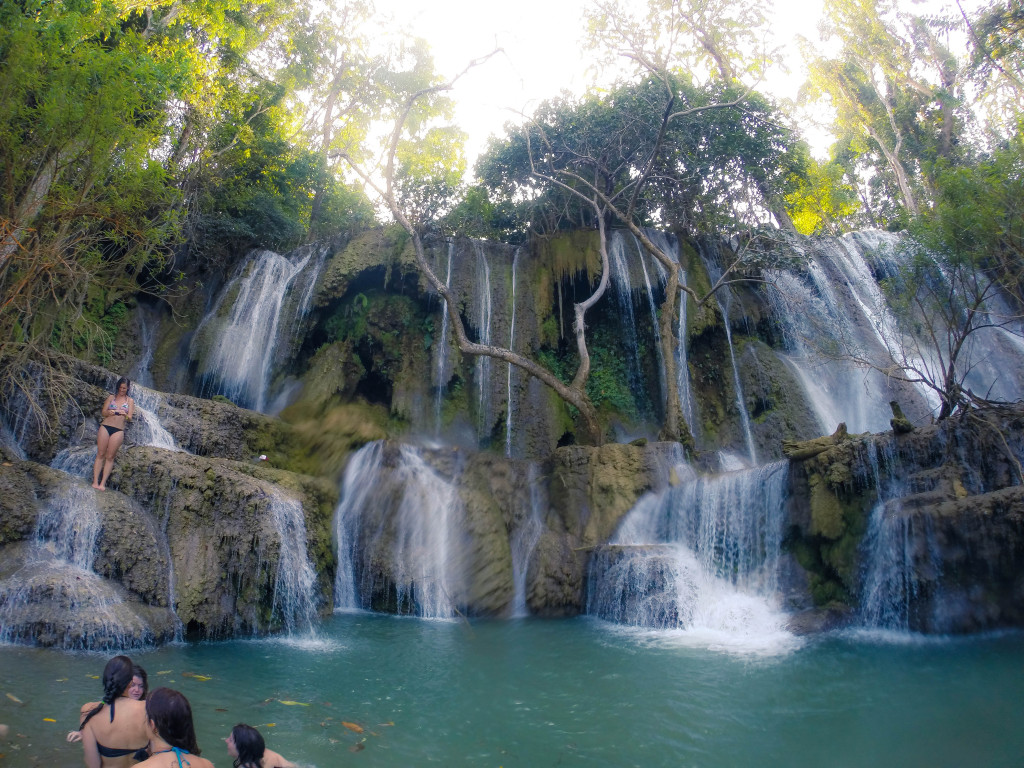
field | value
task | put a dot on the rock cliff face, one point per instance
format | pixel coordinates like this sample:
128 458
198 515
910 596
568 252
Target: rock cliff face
921 530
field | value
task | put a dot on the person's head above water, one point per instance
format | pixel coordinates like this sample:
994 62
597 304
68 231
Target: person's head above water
139 685
117 677
170 718
246 745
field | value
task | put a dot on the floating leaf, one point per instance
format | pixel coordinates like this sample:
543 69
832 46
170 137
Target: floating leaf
49 720
194 676
290 703
269 725
62 679
220 709
14 698
94 677
387 724
165 671
352 726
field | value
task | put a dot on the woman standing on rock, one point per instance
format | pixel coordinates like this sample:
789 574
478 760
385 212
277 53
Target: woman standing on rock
118 409
115 728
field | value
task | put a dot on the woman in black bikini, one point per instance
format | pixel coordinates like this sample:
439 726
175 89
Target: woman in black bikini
172 737
118 409
137 689
115 729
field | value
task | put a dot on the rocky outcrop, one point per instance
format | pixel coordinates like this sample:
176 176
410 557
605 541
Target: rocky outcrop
922 530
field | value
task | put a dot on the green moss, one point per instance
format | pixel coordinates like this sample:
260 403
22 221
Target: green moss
826 511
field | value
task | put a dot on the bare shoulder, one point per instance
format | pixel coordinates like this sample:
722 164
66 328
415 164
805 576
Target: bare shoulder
272 759
87 708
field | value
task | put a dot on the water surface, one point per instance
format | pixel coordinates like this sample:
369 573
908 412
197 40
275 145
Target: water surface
557 693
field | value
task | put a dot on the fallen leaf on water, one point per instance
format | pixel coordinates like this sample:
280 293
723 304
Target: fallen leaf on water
94 677
352 726
290 703
357 747
14 698
62 679
49 720
385 725
220 709
165 671
269 725
194 676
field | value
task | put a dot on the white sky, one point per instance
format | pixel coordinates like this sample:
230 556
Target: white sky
543 55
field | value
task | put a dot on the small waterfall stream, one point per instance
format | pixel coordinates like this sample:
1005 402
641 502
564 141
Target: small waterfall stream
56 570
295 581
483 362
442 346
509 405
236 351
396 512
524 540
620 276
702 557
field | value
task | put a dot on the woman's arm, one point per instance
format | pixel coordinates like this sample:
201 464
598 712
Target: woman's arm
92 754
107 410
131 409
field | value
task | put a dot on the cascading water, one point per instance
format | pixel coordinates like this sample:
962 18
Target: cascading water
399 537
511 346
56 571
483 362
620 277
442 346
357 487
831 310
896 547
524 540
236 352
702 557
295 581
671 250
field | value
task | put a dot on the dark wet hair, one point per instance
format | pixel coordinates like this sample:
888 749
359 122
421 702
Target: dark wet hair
250 746
117 676
123 380
172 718
138 671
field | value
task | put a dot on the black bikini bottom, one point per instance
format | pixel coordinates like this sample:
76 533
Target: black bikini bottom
110 430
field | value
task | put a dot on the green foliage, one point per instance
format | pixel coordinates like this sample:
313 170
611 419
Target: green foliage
709 159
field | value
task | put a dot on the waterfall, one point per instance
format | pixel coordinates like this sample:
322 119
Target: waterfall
683 366
524 540
149 324
295 582
148 430
69 525
741 401
668 249
702 557
240 347
512 347
56 572
891 546
398 532
357 486
483 362
442 345
624 293
831 308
